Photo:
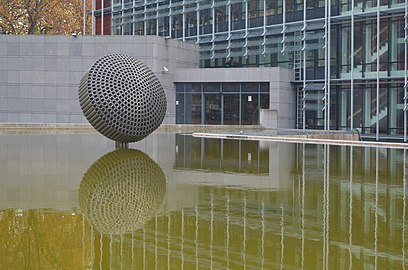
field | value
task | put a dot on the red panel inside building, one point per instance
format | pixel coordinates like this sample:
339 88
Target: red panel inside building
106 3
106 18
107 24
98 25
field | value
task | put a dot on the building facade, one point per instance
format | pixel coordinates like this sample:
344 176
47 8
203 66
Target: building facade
235 96
40 76
349 57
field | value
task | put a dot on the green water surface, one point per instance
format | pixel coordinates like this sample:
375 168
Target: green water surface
71 201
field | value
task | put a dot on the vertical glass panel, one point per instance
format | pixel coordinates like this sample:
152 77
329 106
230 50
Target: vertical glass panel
396 46
396 111
382 51
191 24
127 28
264 87
181 86
334 110
182 149
369 109
370 55
163 26
264 102
211 87
315 9
127 23
189 152
177 26
396 2
250 109
250 87
294 10
383 109
345 50
253 60
358 108
116 2
151 27
212 154
195 87
139 28
212 109
343 101
274 13
221 19
230 155
116 26
253 158
256 11
399 109
358 49
231 87
193 108
231 109
238 16
180 111
345 5
205 21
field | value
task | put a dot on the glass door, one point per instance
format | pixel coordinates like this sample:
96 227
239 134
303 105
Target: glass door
212 109
250 109
231 109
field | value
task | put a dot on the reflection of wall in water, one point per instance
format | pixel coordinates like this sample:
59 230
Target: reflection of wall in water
250 164
338 212
43 170
323 223
161 148
355 211
220 155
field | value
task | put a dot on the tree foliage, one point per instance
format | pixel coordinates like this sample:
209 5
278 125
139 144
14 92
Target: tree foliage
33 17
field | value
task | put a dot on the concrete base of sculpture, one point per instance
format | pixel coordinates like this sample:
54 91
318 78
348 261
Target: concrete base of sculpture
121 145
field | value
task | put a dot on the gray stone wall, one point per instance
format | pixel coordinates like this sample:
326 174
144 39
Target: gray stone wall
39 75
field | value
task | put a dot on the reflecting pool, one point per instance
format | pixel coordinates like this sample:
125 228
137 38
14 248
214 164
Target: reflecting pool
71 201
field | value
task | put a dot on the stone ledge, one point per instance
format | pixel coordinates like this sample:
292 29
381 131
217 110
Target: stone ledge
85 127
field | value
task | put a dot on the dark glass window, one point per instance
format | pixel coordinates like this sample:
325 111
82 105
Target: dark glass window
221 103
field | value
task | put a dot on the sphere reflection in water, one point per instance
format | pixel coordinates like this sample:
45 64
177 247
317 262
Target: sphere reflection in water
121 191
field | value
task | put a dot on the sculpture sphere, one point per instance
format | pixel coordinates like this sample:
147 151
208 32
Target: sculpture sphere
122 98
121 191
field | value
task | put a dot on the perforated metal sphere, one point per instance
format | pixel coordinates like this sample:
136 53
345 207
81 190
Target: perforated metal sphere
121 191
122 98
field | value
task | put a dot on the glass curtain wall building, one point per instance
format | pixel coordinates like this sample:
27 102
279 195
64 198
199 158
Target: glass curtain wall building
349 57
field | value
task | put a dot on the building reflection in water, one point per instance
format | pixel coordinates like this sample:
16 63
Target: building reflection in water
344 208
287 206
243 164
